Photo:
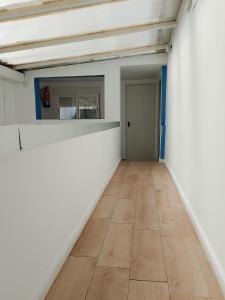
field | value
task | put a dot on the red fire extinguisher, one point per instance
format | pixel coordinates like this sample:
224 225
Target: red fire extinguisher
45 96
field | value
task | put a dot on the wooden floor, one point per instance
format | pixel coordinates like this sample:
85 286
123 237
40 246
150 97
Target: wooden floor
138 245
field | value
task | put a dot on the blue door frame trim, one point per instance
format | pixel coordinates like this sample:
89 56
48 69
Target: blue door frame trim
37 98
163 111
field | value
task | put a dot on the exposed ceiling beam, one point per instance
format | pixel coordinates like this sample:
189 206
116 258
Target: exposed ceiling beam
46 8
92 57
85 37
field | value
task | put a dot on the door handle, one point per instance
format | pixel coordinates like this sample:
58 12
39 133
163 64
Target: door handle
128 124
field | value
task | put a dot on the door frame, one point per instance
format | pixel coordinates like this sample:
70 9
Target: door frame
157 106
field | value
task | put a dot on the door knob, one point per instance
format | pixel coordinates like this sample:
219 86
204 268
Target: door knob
128 124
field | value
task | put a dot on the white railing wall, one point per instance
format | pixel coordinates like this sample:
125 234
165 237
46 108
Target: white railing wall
47 195
9 139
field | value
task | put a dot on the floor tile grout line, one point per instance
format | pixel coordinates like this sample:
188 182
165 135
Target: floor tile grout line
132 242
110 219
113 267
131 255
97 259
145 229
88 288
132 247
164 256
110 222
145 280
106 234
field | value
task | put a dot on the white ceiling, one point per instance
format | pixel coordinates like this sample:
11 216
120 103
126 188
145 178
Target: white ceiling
140 72
85 20
16 3
90 19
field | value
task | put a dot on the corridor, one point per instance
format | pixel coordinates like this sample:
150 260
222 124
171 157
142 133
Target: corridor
139 244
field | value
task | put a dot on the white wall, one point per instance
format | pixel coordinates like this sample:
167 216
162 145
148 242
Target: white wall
43 214
195 142
10 75
25 104
8 78
9 139
2 104
7 103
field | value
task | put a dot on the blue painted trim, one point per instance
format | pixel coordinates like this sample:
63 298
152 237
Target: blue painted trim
37 91
163 111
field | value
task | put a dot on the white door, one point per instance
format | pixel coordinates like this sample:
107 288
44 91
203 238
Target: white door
141 122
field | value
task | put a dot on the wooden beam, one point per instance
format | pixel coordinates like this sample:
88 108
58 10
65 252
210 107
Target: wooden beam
92 57
85 37
46 8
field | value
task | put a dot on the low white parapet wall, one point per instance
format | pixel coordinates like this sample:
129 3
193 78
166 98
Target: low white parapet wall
47 194
14 138
33 135
9 139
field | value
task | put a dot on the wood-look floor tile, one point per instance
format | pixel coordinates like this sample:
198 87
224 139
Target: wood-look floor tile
116 251
119 176
73 280
146 169
161 179
146 210
131 179
168 198
92 238
124 166
212 283
174 222
189 273
146 193
146 180
147 261
124 211
113 188
134 168
105 206
109 284
176 297
128 191
146 290
184 272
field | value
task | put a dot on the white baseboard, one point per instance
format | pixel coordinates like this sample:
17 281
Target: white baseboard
212 257
161 160
63 254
